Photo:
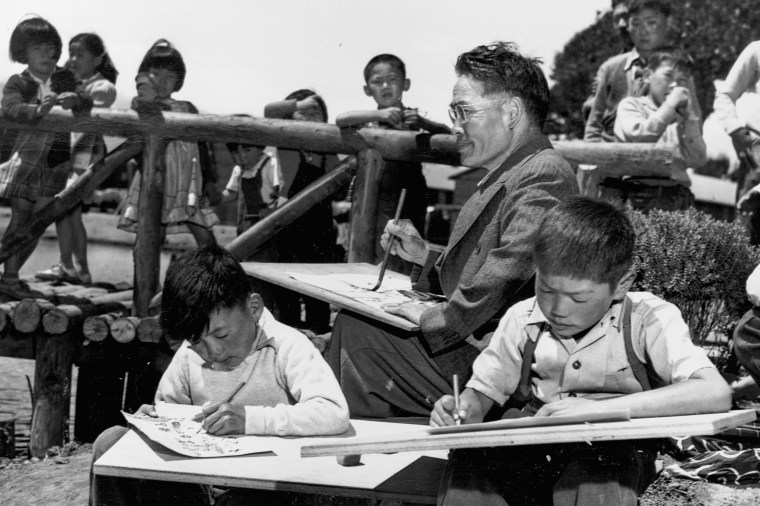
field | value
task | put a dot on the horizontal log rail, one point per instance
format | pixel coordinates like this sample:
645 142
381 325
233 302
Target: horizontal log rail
633 158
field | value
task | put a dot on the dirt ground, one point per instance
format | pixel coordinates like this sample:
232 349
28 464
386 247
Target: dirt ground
63 477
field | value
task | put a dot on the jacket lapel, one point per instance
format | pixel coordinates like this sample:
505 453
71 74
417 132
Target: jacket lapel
475 205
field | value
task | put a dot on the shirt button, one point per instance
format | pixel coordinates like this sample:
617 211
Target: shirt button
576 364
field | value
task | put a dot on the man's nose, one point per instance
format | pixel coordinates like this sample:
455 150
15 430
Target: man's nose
457 128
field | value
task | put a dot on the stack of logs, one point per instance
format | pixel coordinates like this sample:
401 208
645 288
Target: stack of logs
93 328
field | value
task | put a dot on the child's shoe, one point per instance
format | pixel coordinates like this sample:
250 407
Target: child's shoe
59 272
18 289
85 278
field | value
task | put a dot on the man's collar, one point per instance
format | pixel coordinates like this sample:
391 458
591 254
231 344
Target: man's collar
632 58
532 145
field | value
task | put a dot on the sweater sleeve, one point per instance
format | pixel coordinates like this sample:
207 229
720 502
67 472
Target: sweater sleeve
174 385
594 128
14 105
740 78
320 407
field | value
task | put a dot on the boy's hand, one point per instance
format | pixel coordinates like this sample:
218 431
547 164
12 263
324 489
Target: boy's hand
568 406
678 99
412 118
46 104
445 413
410 245
223 418
147 410
743 141
392 115
67 99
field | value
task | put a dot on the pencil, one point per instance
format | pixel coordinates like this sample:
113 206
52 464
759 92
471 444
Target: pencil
455 380
229 398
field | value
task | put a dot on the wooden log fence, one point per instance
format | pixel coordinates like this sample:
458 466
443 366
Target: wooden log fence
57 327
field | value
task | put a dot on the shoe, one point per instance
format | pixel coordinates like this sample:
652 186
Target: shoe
59 272
18 289
85 278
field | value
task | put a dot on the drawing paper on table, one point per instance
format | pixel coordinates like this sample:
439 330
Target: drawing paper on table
180 434
394 290
616 415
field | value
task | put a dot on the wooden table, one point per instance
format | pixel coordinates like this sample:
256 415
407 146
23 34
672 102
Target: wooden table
277 273
409 477
418 439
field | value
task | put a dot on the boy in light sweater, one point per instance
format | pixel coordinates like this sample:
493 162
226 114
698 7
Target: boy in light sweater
228 337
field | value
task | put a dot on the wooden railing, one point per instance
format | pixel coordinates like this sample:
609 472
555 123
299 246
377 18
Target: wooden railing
371 147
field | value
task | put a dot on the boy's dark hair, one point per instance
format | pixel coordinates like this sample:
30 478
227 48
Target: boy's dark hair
94 45
500 68
163 55
661 6
232 147
33 31
197 284
391 59
585 238
677 56
299 95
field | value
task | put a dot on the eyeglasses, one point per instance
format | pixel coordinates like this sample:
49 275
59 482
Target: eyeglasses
459 113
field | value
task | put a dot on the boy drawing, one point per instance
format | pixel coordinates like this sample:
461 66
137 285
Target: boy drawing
229 337
667 114
386 81
575 331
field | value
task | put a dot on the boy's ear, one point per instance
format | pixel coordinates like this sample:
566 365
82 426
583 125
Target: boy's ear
407 84
367 91
255 305
624 285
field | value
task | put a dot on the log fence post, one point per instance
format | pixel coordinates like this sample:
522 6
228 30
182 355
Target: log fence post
361 245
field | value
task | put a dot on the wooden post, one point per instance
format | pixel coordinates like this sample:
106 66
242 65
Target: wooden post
52 391
147 251
361 246
249 241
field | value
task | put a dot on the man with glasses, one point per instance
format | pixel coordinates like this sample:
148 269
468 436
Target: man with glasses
499 104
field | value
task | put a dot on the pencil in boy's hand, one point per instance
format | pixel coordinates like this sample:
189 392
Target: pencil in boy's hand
455 380
229 398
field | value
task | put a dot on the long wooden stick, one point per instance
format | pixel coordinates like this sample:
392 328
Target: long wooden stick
393 240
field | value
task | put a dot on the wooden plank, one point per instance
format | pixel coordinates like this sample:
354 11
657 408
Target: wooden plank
277 273
409 477
640 428
361 246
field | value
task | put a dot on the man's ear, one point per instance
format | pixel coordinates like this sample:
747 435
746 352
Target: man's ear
367 91
513 109
255 305
624 285
407 84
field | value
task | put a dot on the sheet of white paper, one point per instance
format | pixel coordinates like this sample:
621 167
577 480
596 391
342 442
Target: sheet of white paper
357 287
181 434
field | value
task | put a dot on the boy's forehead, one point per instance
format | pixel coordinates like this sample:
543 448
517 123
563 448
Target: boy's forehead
569 284
384 67
647 12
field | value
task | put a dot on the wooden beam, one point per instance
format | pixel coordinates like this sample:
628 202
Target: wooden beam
361 246
147 251
249 241
634 159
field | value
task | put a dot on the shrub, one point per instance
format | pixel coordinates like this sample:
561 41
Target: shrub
699 264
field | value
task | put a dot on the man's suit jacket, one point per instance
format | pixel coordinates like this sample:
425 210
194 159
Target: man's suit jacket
487 265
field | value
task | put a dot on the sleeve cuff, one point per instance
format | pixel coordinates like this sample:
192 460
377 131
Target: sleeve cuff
488 391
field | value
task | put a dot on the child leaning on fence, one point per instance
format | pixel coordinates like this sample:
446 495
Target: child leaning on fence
592 346
667 114
96 83
189 174
39 163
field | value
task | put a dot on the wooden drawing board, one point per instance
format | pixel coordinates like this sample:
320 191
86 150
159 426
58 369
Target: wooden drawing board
279 274
409 477
639 428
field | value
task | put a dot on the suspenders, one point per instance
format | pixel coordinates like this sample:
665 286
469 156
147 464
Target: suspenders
643 372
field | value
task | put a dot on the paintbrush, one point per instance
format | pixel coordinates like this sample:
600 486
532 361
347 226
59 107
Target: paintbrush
392 242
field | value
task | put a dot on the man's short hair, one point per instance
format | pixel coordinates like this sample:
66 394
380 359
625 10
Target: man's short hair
197 284
585 238
500 68
390 59
661 6
675 55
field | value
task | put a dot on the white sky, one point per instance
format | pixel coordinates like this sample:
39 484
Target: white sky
241 54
